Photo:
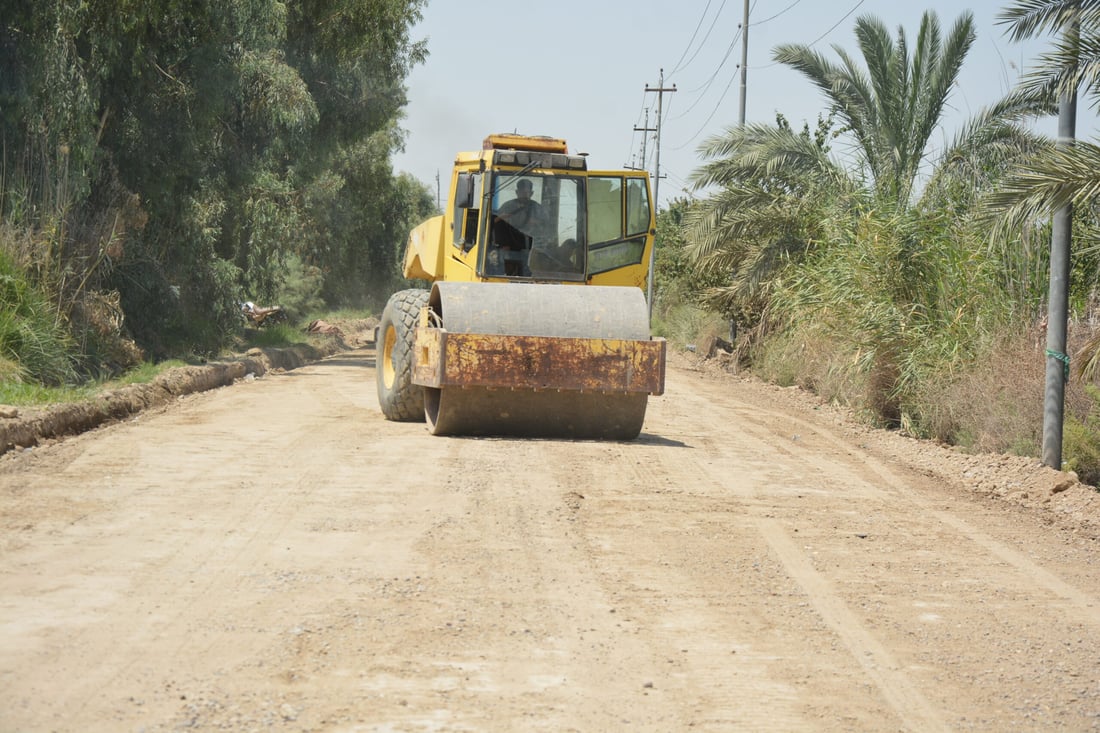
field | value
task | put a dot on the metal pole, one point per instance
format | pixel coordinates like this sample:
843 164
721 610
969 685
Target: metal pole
1054 395
744 62
1058 305
741 113
645 129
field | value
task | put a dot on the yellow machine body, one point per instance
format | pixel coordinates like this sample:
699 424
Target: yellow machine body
536 323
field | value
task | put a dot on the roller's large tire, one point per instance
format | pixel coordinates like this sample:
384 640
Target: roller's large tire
399 398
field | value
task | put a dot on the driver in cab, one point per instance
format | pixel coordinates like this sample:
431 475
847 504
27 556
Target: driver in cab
523 215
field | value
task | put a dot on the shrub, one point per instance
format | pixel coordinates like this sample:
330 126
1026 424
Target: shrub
1081 441
31 332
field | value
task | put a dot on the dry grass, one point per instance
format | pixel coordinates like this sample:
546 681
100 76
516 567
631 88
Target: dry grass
996 404
810 360
993 404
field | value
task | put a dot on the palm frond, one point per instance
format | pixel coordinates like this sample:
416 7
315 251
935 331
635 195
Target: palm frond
893 103
755 152
1029 18
1050 180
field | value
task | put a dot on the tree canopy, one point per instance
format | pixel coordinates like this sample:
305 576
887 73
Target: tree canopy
190 155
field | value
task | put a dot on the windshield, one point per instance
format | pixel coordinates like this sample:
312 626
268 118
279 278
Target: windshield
537 227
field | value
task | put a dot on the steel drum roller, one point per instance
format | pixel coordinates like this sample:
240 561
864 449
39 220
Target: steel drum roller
538 310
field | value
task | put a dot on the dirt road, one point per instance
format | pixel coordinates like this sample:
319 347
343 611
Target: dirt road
275 556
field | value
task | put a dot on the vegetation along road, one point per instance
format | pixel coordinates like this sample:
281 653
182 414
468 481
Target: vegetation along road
276 556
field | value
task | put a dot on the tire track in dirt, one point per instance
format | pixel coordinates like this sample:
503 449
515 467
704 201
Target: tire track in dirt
556 650
1010 579
904 491
278 557
220 559
197 565
710 478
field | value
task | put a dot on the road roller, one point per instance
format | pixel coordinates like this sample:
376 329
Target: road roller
534 321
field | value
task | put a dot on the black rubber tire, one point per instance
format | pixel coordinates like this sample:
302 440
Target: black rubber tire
399 398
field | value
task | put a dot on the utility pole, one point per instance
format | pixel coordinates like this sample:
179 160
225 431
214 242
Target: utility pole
744 62
741 113
1054 395
647 128
661 89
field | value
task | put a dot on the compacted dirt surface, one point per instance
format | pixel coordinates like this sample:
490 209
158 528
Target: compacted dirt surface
275 556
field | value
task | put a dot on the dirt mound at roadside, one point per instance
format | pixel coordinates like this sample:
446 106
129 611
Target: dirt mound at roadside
1015 479
23 428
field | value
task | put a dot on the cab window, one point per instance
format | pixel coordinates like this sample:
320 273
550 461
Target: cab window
618 218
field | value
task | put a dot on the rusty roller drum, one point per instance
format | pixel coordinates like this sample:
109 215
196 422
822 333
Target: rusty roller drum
538 360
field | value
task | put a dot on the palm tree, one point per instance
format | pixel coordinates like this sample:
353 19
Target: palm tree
1057 176
784 202
892 107
1073 63
773 181
775 188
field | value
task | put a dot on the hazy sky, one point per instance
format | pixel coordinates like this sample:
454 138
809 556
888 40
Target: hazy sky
579 69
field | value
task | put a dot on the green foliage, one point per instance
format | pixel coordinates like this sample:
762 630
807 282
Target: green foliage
280 334
144 373
780 196
902 296
677 278
892 109
170 151
301 290
1073 61
30 335
865 284
689 324
13 392
35 394
1057 175
368 213
1081 441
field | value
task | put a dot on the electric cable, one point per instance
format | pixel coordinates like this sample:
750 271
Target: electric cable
699 25
781 12
813 42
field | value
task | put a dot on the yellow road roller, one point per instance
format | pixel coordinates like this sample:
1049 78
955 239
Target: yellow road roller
536 323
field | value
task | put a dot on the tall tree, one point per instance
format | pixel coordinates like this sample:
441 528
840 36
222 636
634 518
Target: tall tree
1054 177
893 105
190 132
1059 177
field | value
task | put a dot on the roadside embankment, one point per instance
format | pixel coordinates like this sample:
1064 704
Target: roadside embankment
22 428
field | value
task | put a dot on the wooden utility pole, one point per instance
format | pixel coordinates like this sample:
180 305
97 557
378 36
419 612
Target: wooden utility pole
661 89
645 129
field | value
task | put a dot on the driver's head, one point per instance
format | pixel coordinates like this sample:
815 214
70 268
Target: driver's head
523 188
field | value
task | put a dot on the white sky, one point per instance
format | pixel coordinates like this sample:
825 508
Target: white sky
578 69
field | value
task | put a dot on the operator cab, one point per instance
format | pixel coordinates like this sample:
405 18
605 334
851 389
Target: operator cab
535 227
559 226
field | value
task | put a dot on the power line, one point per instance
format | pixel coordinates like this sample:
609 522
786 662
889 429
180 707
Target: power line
702 43
781 12
706 85
714 111
813 42
834 26
743 29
